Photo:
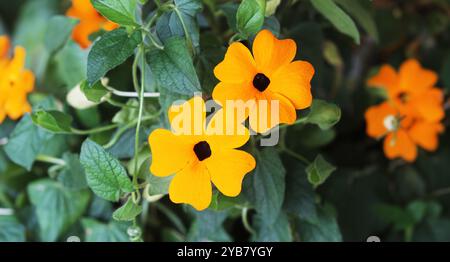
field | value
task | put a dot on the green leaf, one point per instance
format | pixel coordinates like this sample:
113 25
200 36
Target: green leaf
208 226
174 69
323 114
11 230
325 229
340 20
26 142
54 121
300 196
56 207
105 175
169 24
71 64
58 32
122 12
250 17
94 93
72 176
100 232
319 170
265 187
271 7
128 211
279 231
111 50
360 11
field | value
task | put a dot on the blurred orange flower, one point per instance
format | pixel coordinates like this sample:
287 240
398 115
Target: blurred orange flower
90 22
411 116
266 75
15 82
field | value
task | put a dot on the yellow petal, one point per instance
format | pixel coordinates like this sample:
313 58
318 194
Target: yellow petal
238 65
228 168
270 53
294 82
225 130
170 153
192 185
188 118
226 91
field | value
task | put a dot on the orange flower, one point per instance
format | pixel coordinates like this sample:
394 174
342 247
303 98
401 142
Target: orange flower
270 74
15 82
90 21
412 90
411 116
198 154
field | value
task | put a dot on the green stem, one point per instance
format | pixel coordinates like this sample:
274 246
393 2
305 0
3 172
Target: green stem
94 130
296 156
186 31
50 160
118 104
247 225
176 221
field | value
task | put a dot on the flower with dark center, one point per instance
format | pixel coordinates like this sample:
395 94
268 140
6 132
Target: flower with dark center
261 82
202 150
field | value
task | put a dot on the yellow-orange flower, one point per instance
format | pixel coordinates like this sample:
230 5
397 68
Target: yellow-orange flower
90 22
198 154
270 74
15 82
412 90
411 116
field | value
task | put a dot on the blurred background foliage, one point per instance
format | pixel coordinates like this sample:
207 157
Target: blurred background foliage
367 194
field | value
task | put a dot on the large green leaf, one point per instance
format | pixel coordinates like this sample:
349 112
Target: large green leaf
337 17
174 69
265 187
122 12
169 24
105 174
56 207
319 170
323 114
250 17
11 230
99 232
208 226
279 231
26 142
111 50
128 211
324 229
71 63
72 176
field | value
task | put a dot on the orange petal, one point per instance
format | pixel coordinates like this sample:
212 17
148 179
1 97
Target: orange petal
375 119
188 118
225 130
399 144
270 53
428 104
386 78
426 134
227 91
414 78
294 82
4 46
228 168
192 185
170 153
271 109
238 65
82 9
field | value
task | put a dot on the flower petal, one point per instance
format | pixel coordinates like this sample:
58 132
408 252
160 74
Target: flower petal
188 118
170 153
386 78
228 91
399 144
415 79
271 109
192 185
225 130
294 82
238 65
270 53
426 134
429 104
228 168
375 119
